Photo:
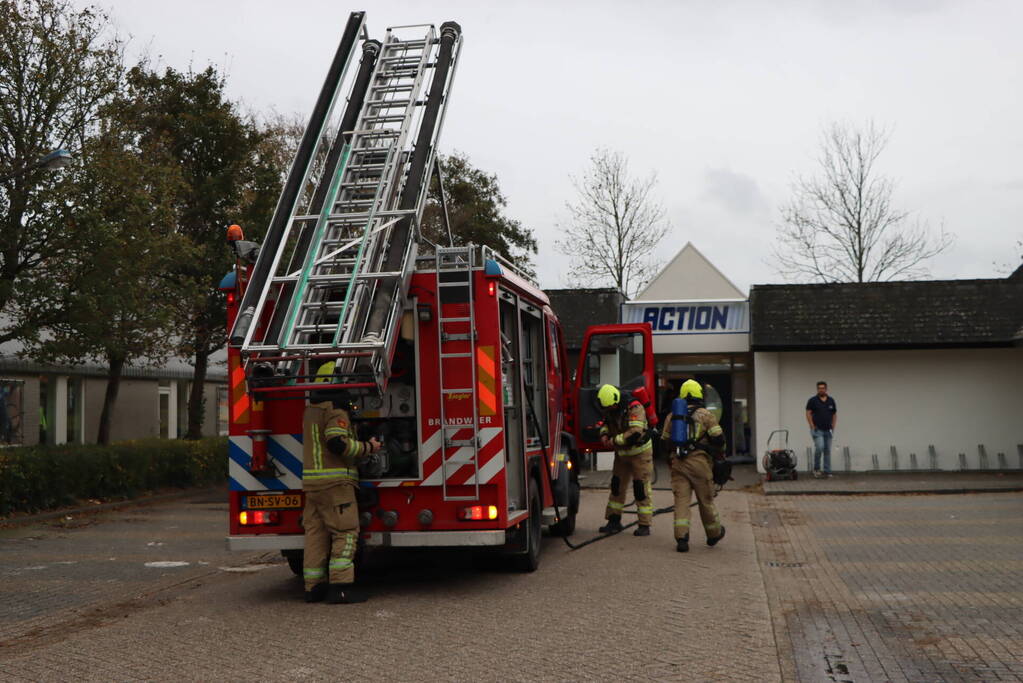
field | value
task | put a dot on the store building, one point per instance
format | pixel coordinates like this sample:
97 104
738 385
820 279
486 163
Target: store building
700 322
925 374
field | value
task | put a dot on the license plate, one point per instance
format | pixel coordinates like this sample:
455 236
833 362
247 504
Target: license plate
273 501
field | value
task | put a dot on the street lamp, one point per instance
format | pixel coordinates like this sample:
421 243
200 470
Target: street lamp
58 158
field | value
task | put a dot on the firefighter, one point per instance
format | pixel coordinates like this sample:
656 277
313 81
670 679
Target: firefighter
692 467
625 430
330 479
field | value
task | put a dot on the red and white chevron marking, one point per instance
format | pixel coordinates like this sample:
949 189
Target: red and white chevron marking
491 459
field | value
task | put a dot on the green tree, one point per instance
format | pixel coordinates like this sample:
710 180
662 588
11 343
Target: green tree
231 174
476 212
58 65
113 299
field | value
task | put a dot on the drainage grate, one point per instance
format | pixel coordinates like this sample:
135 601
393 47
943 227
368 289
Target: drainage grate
787 565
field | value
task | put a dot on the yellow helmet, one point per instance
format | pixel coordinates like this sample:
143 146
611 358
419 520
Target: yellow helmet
608 395
326 372
691 388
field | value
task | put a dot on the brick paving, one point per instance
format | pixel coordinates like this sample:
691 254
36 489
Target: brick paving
626 608
895 588
804 588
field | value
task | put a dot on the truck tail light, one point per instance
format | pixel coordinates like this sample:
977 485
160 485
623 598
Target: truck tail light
491 288
258 517
475 513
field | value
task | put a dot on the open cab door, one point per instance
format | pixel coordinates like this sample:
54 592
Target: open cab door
621 355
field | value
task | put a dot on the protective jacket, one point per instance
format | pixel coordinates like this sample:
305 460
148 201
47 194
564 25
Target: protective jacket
330 450
633 462
692 472
330 478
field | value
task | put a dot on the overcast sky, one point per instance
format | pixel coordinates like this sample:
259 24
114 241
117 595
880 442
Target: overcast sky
725 101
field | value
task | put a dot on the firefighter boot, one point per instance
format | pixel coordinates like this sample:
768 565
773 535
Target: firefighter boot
641 531
682 544
613 526
344 594
714 541
317 594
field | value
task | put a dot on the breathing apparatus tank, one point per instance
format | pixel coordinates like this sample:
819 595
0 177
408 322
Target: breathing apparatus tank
679 421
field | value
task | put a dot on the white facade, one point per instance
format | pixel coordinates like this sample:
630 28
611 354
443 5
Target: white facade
953 399
690 276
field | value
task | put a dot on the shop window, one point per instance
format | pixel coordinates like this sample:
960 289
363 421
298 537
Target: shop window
75 406
165 397
12 405
45 411
182 400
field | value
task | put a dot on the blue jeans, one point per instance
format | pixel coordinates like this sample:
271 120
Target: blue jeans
821 446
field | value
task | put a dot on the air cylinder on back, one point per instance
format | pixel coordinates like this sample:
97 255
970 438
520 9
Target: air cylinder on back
679 421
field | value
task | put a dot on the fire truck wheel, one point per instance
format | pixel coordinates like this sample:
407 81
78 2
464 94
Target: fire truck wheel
530 560
294 558
566 527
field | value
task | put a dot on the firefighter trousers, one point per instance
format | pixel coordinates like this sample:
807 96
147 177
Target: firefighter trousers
331 523
693 474
637 470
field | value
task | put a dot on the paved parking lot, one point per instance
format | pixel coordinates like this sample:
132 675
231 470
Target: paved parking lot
807 588
895 588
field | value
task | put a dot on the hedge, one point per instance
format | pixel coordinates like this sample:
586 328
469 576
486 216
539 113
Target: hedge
34 478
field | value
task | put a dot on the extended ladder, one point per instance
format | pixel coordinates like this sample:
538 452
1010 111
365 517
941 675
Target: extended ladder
456 341
322 308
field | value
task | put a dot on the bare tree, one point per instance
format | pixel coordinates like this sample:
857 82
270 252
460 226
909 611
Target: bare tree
615 225
841 225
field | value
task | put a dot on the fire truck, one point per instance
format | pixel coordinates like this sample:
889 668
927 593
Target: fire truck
453 357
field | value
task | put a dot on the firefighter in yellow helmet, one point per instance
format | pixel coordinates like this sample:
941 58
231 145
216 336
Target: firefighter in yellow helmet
330 478
694 442
625 429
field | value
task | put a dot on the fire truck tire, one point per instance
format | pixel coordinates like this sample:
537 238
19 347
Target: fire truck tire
566 527
294 558
530 560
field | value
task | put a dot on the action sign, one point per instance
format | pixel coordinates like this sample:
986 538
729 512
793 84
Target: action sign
689 317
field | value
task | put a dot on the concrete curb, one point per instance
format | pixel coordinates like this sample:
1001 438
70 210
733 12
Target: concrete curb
887 492
102 507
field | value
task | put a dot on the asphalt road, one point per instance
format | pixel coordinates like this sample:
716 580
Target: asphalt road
844 589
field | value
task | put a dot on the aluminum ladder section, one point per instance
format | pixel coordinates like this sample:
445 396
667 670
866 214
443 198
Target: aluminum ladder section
457 361
344 256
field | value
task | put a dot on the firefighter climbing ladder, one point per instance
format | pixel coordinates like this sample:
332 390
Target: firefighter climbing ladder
457 365
356 258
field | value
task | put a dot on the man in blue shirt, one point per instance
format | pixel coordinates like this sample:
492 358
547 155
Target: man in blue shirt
822 416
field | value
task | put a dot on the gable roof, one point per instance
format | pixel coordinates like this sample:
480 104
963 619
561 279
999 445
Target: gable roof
690 275
577 309
922 314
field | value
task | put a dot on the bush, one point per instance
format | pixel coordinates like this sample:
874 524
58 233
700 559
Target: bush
37 478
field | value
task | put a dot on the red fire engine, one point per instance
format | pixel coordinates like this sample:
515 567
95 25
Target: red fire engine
454 358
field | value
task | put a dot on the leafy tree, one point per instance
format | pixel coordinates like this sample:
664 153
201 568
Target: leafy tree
58 65
615 225
476 212
113 299
842 225
231 174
